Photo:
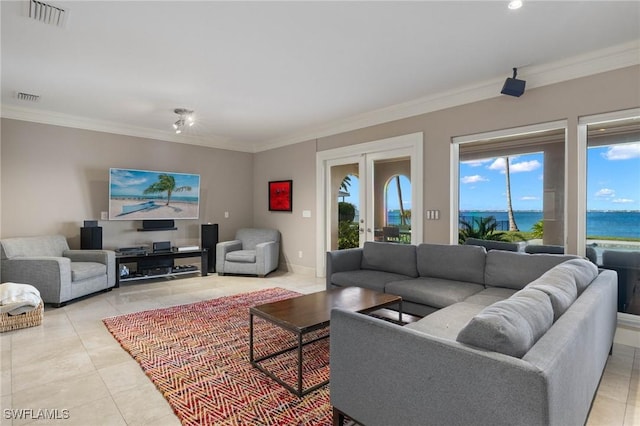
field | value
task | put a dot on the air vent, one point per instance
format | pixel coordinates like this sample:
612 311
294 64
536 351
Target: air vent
27 97
46 13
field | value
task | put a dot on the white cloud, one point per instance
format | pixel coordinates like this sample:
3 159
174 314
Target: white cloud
606 192
525 166
475 163
124 178
473 179
622 201
529 198
515 167
623 152
498 164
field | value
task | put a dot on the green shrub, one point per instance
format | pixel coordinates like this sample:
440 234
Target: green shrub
346 212
348 235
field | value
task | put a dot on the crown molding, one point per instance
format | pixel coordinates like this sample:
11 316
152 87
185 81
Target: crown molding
609 59
84 123
616 57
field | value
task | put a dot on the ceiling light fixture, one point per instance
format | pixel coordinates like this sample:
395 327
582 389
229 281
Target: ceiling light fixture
515 4
186 119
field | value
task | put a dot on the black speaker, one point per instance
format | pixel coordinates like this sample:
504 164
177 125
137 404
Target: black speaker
91 238
209 239
513 87
158 225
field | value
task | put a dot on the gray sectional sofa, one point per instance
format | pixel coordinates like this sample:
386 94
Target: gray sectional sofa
507 338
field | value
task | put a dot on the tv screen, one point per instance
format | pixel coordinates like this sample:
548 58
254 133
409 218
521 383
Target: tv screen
145 194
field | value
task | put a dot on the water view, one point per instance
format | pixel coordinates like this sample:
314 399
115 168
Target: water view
620 224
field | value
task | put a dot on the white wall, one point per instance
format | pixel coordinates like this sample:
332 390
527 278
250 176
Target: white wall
53 178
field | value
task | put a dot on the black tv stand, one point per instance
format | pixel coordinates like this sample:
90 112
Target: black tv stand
161 259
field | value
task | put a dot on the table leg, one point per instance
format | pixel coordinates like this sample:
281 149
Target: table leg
400 311
117 273
338 417
251 338
300 365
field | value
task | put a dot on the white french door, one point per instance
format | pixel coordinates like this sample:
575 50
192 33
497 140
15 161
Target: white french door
371 166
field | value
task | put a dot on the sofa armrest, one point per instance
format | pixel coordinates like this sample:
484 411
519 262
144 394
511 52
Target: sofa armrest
221 252
342 260
383 374
50 275
106 257
267 257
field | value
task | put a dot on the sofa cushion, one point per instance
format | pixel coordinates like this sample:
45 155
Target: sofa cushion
390 257
241 256
435 292
46 245
490 296
511 326
447 322
83 270
251 237
495 244
559 283
374 280
583 271
453 262
516 270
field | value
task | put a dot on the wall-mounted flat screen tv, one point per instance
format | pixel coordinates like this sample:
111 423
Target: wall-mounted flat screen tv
145 194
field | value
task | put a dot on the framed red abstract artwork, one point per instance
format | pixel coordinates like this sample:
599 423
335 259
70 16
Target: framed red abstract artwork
280 196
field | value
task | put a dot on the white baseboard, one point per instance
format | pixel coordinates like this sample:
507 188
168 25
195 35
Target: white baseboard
628 330
298 269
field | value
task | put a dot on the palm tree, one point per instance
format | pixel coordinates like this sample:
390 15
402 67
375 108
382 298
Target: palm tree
482 228
402 213
512 220
346 183
165 183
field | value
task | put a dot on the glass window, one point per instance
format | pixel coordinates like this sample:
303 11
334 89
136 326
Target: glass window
512 189
613 204
397 195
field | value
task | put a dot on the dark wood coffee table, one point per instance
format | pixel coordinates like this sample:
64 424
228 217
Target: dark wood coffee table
305 314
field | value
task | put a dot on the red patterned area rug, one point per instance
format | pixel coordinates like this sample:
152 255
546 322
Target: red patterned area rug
197 355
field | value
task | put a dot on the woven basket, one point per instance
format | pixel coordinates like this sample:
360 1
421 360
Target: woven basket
28 319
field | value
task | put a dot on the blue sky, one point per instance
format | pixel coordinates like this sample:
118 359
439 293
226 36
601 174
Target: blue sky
133 182
392 194
613 181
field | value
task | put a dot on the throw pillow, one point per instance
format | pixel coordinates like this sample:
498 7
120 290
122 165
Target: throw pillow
560 285
510 326
583 271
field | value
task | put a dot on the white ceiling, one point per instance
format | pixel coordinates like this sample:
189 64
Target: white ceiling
265 74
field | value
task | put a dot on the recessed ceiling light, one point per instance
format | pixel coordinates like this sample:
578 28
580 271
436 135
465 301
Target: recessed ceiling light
515 4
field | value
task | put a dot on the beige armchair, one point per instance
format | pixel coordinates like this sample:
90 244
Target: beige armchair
58 273
252 252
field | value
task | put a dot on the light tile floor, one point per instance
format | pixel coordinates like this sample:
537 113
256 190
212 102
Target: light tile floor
72 363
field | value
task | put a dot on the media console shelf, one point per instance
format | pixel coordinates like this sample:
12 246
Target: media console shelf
163 259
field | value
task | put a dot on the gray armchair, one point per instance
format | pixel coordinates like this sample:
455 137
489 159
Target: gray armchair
252 252
58 273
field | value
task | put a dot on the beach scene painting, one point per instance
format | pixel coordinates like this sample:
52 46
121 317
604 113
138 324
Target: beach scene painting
145 194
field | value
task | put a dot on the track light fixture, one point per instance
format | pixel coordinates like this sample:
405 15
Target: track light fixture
513 86
515 4
186 119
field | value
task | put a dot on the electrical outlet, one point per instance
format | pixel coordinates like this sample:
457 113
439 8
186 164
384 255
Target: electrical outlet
226 215
104 215
300 254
